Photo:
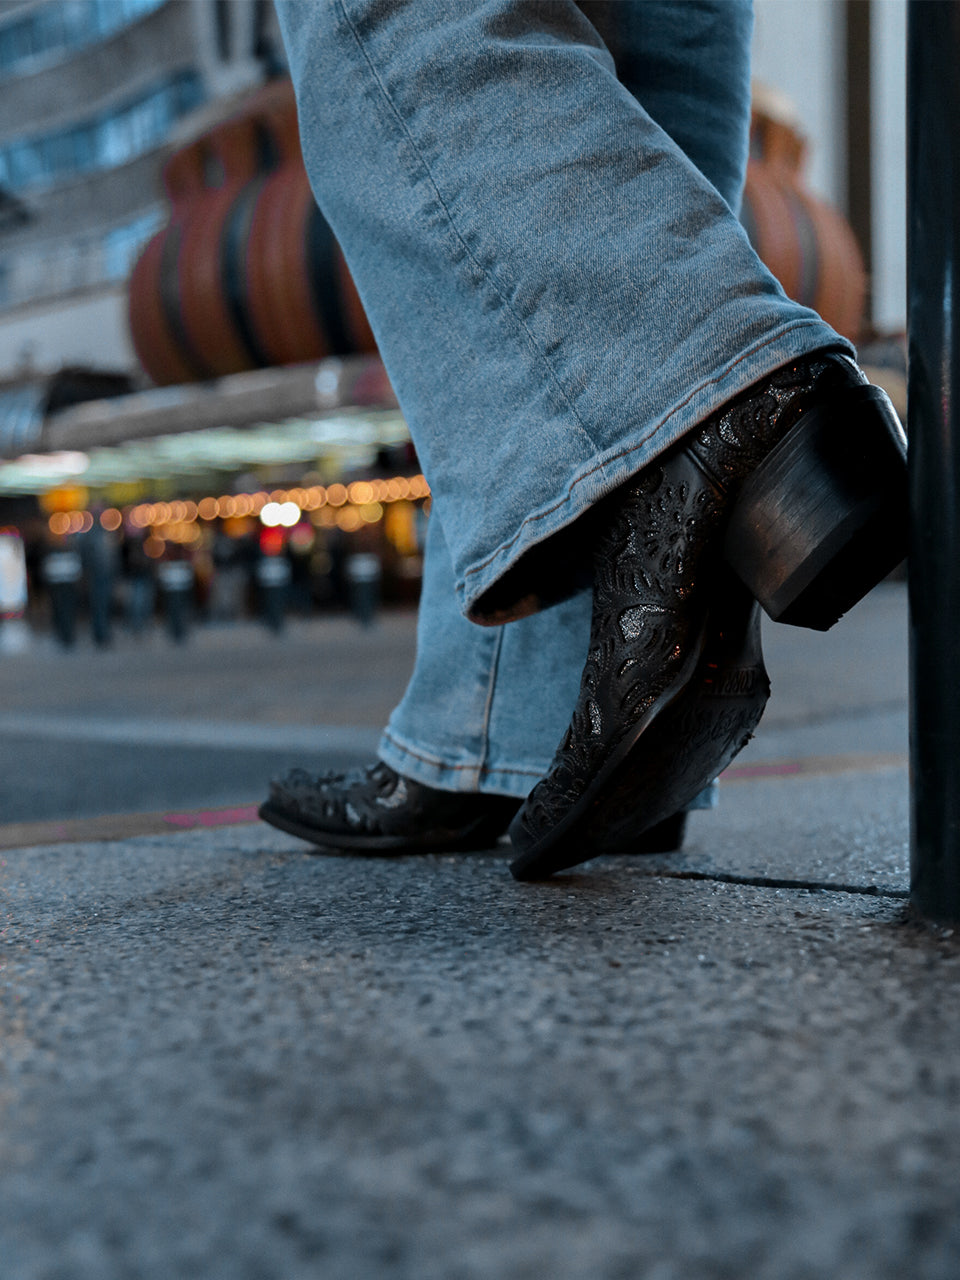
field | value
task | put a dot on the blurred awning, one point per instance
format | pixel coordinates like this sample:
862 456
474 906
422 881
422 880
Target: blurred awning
30 403
242 400
338 413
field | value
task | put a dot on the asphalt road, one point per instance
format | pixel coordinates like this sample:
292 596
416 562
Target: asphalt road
226 1057
149 725
222 1057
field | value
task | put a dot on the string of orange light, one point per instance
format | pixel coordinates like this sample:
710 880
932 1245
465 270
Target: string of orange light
365 497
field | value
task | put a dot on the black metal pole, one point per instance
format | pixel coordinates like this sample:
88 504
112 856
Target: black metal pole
933 215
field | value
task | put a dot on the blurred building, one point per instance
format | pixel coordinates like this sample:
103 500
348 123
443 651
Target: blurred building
93 95
100 102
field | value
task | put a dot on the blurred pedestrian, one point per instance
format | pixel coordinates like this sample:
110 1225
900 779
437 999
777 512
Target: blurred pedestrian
61 570
139 574
175 575
100 555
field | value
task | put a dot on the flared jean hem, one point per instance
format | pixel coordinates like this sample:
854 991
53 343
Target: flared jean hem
418 762
469 775
600 476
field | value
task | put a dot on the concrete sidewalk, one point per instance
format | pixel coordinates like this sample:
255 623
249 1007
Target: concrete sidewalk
223 1056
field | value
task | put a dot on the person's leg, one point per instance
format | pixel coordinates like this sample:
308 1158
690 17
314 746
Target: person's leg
534 251
688 65
464 724
465 744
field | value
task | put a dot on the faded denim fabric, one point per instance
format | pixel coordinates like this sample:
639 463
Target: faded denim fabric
539 220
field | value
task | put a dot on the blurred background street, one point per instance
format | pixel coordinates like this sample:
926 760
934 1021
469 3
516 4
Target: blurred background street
148 725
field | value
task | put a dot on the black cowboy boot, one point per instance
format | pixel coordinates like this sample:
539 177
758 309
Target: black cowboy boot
799 487
377 810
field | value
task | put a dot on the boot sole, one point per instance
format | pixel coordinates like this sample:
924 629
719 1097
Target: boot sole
477 836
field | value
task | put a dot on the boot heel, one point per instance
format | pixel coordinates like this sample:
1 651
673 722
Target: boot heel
823 519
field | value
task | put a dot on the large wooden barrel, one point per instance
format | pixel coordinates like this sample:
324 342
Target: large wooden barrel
153 296
293 282
214 330
807 245
246 273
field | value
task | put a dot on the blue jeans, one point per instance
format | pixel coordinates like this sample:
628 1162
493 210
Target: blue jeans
539 219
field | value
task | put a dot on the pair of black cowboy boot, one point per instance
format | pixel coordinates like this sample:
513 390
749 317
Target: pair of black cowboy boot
377 810
793 497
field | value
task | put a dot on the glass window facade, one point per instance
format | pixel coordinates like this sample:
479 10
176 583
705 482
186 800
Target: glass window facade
109 139
80 262
60 27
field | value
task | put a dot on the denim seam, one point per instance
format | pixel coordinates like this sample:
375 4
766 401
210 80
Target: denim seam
537 353
488 703
456 768
606 460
